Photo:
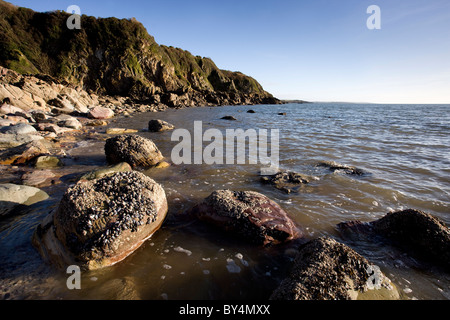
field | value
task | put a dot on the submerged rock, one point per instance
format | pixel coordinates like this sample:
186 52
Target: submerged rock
52 127
159 126
108 171
325 269
38 178
12 195
334 166
248 214
97 123
100 222
117 290
287 181
133 149
417 232
228 118
120 131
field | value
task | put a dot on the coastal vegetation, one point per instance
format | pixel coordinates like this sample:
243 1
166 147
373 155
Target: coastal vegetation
114 57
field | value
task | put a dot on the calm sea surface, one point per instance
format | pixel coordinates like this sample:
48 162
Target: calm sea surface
404 148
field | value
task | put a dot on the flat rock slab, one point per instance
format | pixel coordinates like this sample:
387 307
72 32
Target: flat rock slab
417 232
101 113
23 154
45 162
106 171
12 195
230 118
14 140
337 167
120 131
38 178
287 181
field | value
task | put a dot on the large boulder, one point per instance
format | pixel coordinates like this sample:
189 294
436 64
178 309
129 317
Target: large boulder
100 222
417 232
325 269
12 195
133 149
248 214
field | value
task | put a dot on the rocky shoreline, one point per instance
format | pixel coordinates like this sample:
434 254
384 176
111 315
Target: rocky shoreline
108 213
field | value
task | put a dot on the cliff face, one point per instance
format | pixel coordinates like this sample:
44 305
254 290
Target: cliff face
117 57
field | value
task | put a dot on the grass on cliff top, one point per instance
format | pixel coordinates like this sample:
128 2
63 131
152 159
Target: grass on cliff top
104 53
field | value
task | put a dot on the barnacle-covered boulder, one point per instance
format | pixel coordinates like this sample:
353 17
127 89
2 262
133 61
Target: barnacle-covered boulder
418 233
133 149
100 222
325 269
249 214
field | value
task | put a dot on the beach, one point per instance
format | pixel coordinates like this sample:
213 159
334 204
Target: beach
403 155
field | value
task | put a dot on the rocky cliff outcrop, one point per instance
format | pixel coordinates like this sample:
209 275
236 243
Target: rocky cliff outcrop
118 57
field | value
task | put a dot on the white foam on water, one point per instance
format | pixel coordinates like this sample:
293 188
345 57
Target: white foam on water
182 250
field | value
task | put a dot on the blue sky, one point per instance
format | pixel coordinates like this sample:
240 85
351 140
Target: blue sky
317 50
